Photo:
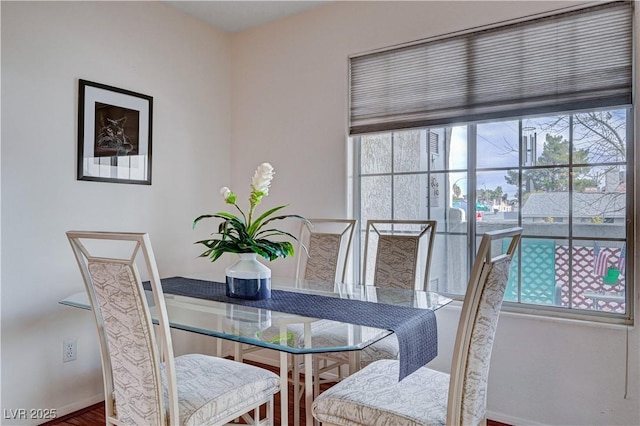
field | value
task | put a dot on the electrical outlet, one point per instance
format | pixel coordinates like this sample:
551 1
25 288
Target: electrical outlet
69 350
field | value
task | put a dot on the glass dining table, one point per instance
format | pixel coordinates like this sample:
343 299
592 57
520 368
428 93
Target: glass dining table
291 335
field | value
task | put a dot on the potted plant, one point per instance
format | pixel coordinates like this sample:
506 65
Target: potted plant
611 278
249 236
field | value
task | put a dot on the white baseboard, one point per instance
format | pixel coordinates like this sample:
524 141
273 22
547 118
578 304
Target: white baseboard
79 405
510 420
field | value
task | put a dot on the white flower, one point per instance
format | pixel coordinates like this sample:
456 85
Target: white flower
225 192
262 178
228 195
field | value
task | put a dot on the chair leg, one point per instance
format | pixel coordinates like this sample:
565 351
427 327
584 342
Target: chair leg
218 347
270 419
316 377
296 390
237 351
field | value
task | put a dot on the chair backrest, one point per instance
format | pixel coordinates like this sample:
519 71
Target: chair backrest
477 327
402 251
328 243
131 350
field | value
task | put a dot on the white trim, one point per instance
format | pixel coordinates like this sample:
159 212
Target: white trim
511 420
77 405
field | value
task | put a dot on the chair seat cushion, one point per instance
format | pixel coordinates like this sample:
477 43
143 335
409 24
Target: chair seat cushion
419 399
203 401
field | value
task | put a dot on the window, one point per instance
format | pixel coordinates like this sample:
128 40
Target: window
537 145
561 177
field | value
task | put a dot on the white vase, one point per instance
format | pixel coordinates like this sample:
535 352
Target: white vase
248 278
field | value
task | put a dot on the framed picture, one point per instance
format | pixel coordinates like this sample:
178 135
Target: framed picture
114 134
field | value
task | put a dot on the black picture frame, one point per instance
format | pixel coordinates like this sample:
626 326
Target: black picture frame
114 134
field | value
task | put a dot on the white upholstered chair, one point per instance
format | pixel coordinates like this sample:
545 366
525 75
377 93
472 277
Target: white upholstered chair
144 383
399 252
374 396
328 243
322 255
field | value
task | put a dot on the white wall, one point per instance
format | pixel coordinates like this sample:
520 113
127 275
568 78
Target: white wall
141 46
289 106
284 100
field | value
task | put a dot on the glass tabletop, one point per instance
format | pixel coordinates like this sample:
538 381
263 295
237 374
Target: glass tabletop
281 331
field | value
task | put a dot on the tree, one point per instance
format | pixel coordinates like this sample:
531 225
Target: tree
486 196
602 133
555 179
497 193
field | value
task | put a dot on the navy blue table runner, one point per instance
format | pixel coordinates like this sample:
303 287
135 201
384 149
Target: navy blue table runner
415 328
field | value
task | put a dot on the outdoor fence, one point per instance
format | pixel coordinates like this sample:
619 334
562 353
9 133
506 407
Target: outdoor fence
548 277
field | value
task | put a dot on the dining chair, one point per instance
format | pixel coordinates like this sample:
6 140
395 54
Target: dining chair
323 254
328 243
144 383
324 246
399 252
374 396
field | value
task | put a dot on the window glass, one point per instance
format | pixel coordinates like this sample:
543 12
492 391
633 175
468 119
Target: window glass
375 152
410 196
449 273
561 177
545 201
452 215
498 144
409 151
596 279
545 141
600 137
599 202
496 200
536 264
457 152
376 198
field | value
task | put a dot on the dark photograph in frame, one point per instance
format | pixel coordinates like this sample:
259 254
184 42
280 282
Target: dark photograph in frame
117 131
114 134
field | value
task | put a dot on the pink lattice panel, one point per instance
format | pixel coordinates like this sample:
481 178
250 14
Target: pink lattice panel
584 278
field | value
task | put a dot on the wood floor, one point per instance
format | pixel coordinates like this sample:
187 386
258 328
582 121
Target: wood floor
94 415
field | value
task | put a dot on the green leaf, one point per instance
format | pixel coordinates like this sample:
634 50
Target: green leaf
236 236
258 222
219 215
199 218
285 217
273 232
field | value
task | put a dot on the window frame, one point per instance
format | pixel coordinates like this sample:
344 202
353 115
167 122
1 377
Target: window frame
569 312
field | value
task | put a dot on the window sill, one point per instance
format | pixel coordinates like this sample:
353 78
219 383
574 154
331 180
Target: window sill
554 314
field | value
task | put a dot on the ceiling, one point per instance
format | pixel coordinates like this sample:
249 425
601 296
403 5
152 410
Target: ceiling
239 15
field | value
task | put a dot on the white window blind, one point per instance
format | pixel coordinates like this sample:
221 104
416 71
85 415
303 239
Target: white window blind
568 61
